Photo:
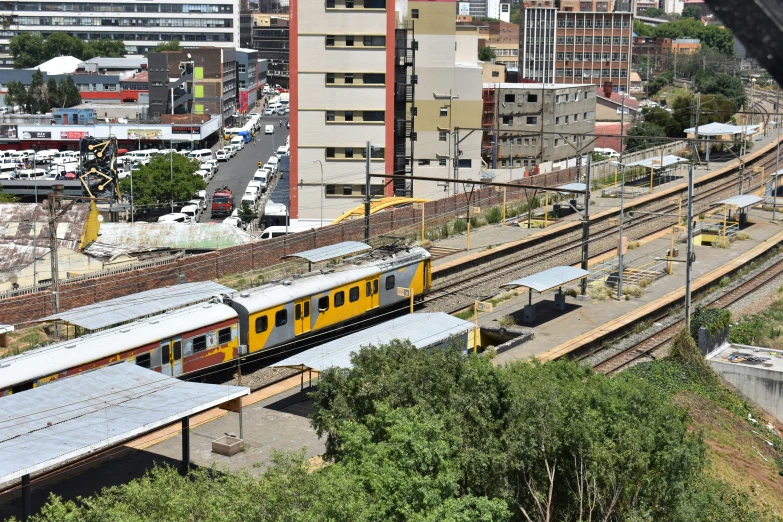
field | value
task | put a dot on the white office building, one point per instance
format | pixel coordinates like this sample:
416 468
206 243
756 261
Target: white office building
141 25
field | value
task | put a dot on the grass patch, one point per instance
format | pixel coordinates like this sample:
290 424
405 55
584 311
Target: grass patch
571 292
741 236
507 321
458 226
721 242
645 282
599 291
465 315
633 245
632 291
494 215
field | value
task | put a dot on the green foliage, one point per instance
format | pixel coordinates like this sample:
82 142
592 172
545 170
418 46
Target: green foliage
494 215
173 45
32 50
691 11
642 29
159 181
655 86
516 10
710 82
711 36
597 156
506 320
7 198
40 97
747 330
640 132
652 12
713 319
247 213
486 54
459 226
444 230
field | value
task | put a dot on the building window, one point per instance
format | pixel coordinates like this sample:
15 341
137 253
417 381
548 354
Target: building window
444 111
532 98
330 4
442 162
329 40
349 40
329 115
262 323
374 41
374 116
330 152
424 163
443 135
281 318
532 120
375 4
509 98
465 163
349 4
495 74
508 120
414 13
414 112
348 78
348 116
374 78
349 152
329 77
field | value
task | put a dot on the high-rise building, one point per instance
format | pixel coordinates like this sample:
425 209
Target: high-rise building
141 25
576 41
270 37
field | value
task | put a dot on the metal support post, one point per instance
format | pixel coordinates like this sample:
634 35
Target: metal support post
367 194
689 252
586 224
503 218
185 445
620 244
27 503
54 204
475 326
777 155
468 221
239 383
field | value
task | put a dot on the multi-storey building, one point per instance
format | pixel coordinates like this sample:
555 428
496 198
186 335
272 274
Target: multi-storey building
204 82
501 37
270 37
251 75
141 25
527 124
342 68
576 41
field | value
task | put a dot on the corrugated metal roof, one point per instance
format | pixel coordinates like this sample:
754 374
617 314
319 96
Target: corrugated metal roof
668 161
15 256
54 358
325 253
199 236
58 65
141 304
719 129
548 279
743 201
422 330
74 417
17 221
576 187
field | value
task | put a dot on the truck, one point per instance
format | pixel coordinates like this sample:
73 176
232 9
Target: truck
222 202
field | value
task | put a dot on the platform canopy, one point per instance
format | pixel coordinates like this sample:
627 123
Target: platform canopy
70 418
743 201
325 253
655 163
142 304
721 129
549 279
572 187
428 330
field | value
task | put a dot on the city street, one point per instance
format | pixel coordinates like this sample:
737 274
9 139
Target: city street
237 172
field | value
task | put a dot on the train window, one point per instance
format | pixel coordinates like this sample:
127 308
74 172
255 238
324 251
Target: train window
368 291
339 299
353 295
375 286
298 311
177 350
307 309
143 360
323 303
199 343
281 317
224 335
164 350
389 282
262 323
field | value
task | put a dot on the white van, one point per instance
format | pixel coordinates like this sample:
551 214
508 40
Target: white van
261 187
201 155
281 151
261 177
252 201
277 231
238 141
176 217
191 210
8 164
269 129
142 156
26 174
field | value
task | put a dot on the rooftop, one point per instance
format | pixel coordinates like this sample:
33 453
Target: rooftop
127 62
70 418
197 236
617 98
59 65
423 330
143 76
536 86
549 279
22 222
721 129
766 358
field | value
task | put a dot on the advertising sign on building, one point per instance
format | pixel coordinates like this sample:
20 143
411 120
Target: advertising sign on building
464 9
243 102
145 134
184 129
36 135
73 135
8 132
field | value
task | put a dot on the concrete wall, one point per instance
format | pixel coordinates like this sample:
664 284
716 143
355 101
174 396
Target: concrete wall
759 385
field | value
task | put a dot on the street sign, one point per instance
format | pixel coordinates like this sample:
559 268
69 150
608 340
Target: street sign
475 210
404 292
482 306
418 206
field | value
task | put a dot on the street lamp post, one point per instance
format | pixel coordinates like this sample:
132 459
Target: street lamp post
622 219
321 196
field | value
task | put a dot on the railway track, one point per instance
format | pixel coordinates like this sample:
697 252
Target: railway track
459 290
653 345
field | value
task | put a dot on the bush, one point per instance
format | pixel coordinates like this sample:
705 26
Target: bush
724 282
444 230
634 245
494 215
507 321
713 319
459 226
721 242
571 292
741 236
645 282
599 291
632 291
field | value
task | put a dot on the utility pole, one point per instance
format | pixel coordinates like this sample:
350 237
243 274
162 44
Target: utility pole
455 153
367 194
622 130
586 225
696 128
689 252
620 245
54 205
777 155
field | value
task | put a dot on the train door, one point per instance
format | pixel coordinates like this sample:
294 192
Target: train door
371 291
302 316
171 357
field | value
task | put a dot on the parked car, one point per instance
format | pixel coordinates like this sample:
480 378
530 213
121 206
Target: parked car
205 175
213 164
191 210
281 151
237 222
234 149
200 203
238 141
223 155
176 217
261 187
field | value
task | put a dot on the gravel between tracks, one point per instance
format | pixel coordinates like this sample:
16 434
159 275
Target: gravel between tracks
262 377
754 302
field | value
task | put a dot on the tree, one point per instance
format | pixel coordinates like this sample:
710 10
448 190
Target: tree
727 85
40 97
663 119
718 38
104 47
655 86
173 45
516 10
153 183
486 54
67 94
642 29
691 11
7 198
27 50
62 44
247 213
640 133
652 12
